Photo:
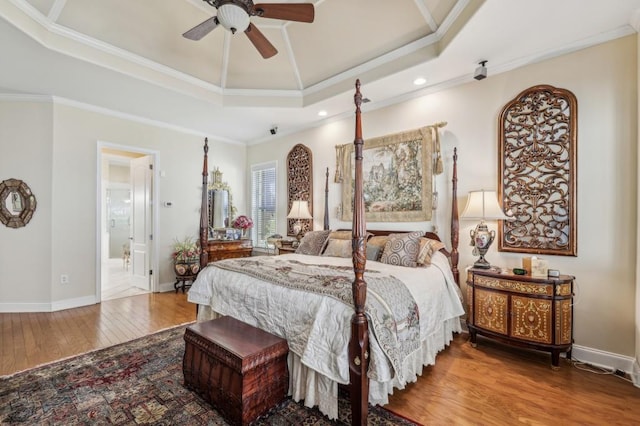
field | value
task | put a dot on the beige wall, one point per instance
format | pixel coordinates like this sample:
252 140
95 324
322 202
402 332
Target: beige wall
605 80
636 366
25 254
54 148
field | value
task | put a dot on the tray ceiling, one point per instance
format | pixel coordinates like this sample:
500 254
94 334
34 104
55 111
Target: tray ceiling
135 47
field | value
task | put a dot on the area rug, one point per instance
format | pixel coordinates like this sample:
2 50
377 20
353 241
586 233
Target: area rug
139 382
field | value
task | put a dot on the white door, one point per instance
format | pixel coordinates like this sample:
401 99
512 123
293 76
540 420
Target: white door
141 226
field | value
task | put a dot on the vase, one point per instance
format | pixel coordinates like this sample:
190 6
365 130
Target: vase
245 234
188 267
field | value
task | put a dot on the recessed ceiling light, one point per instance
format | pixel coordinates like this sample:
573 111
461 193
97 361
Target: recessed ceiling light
419 81
322 113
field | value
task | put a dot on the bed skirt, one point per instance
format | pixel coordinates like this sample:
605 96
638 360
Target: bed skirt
315 389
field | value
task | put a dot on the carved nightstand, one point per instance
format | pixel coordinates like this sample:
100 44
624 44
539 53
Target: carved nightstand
531 312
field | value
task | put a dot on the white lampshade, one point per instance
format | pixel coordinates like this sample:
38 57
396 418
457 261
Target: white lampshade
233 17
483 205
299 210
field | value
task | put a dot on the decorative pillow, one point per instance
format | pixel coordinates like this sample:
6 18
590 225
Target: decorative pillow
378 241
373 252
402 249
338 248
427 248
312 243
340 235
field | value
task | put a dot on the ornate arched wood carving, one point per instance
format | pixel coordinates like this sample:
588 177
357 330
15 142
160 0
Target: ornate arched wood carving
300 183
537 172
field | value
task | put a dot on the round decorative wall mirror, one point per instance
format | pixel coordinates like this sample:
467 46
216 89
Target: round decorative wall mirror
17 203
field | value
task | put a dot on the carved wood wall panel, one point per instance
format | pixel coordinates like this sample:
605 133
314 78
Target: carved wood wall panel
300 183
537 172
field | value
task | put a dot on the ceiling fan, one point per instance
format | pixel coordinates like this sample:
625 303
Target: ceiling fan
234 15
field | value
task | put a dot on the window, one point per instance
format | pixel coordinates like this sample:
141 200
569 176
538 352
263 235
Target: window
263 202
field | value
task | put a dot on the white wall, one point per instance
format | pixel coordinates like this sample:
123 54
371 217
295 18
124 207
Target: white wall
605 81
53 147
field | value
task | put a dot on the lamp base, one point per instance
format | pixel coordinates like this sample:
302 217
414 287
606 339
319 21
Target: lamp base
482 264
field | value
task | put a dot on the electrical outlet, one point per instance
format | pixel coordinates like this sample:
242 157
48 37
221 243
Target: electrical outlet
64 279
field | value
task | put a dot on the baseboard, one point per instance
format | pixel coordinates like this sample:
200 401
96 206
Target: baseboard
606 360
58 305
165 287
636 374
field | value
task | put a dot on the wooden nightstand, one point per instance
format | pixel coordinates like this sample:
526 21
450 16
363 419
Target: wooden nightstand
521 310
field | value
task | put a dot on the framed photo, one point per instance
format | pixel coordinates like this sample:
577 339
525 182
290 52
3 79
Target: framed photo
397 177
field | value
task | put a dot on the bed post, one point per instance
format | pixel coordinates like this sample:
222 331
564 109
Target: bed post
455 226
204 210
326 201
359 343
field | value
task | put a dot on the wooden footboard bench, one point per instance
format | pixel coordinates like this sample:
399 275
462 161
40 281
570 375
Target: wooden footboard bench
239 369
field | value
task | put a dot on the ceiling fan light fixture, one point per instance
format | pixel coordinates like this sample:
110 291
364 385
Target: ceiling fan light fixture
233 17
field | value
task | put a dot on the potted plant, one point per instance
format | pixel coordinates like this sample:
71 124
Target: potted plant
244 223
186 256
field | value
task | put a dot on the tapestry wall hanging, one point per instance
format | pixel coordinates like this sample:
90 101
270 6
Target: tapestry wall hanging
537 172
397 176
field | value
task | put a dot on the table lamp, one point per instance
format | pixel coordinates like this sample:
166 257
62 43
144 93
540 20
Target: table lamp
299 210
482 205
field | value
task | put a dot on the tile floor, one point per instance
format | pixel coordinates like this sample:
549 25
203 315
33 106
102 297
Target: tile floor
117 281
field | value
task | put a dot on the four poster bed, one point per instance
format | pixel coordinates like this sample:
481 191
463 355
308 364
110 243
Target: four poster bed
317 302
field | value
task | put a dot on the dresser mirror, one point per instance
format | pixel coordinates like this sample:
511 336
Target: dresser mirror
221 208
17 203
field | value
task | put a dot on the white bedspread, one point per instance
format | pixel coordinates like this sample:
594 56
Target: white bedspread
319 327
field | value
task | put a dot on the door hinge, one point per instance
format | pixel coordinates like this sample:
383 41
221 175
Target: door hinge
150 166
150 271
150 237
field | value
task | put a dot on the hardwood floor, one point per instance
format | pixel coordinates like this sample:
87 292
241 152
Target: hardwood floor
30 339
492 384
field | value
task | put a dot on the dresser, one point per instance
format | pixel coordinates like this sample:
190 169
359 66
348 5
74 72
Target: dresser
228 249
535 313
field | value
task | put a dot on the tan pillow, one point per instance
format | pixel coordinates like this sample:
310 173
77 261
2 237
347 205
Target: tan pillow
338 248
340 235
312 243
378 240
402 249
427 248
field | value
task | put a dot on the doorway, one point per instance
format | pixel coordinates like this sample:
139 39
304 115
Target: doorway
126 222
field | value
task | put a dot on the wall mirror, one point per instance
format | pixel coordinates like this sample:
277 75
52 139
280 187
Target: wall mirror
221 208
17 203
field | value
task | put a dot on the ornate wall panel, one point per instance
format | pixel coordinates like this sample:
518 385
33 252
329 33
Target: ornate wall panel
300 183
537 172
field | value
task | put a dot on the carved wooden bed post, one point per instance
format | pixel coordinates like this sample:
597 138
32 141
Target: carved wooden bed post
455 225
204 210
359 343
326 201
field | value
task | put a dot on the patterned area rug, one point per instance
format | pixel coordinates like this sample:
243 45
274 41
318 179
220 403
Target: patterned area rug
138 382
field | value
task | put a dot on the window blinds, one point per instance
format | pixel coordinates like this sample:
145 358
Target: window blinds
263 202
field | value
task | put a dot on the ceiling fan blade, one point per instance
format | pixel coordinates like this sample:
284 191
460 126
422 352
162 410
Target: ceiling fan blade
301 12
260 42
202 29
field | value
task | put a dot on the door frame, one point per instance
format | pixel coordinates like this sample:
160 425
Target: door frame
153 259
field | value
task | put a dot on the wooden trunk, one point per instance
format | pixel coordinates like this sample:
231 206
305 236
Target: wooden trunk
239 369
